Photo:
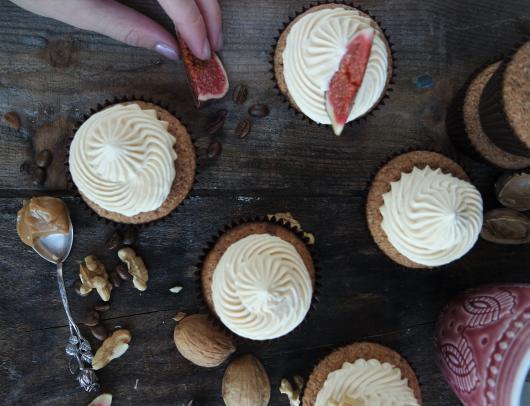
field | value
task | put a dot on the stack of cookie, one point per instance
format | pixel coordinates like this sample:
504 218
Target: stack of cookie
490 117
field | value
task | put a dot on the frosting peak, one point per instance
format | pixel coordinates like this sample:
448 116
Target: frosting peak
430 217
122 159
261 288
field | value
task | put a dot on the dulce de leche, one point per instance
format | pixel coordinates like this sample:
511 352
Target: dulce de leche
42 216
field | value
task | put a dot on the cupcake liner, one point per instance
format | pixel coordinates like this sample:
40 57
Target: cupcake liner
364 205
257 219
73 188
292 108
492 112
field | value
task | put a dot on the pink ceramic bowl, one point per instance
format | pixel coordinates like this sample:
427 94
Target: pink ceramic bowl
483 343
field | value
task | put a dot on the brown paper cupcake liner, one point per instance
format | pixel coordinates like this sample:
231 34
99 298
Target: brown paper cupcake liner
73 188
204 308
492 111
364 206
364 350
292 108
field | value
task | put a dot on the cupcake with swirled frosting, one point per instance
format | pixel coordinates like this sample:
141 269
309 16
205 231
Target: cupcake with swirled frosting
423 211
362 374
258 279
132 162
308 53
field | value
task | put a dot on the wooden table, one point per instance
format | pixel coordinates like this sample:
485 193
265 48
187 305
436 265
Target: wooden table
51 74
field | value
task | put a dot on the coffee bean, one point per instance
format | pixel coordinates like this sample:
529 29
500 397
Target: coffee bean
77 288
102 307
243 128
129 235
115 279
258 110
214 149
122 272
99 332
240 94
217 123
91 318
44 158
12 119
39 176
114 240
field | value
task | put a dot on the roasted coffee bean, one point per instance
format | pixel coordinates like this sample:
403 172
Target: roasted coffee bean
39 176
129 236
258 110
77 288
99 332
91 318
240 94
122 272
217 123
114 240
102 307
12 119
44 158
243 128
115 279
214 149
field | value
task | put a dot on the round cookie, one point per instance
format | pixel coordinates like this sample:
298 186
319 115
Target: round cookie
391 172
185 166
282 42
237 233
475 133
351 353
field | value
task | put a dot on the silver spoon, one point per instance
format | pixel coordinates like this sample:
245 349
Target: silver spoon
55 248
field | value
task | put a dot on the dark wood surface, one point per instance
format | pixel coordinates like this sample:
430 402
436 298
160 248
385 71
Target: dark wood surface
51 74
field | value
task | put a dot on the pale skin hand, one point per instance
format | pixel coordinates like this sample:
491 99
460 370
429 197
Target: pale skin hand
197 21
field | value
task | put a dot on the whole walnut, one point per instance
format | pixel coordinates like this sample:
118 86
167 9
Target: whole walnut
246 383
201 342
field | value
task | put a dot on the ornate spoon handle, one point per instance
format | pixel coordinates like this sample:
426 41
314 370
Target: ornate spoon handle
78 348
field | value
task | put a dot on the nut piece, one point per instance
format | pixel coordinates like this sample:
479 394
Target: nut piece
113 347
13 120
136 267
288 217
179 316
295 393
506 226
94 276
105 399
201 342
513 191
246 383
175 289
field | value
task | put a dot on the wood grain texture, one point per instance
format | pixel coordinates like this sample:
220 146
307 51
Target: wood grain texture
51 74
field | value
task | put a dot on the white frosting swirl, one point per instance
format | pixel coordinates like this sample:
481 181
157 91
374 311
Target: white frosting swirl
315 46
261 288
122 159
430 217
371 382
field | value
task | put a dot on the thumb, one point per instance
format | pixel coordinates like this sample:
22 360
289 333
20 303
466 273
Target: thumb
110 18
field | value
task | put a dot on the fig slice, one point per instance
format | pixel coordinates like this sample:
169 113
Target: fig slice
207 79
105 399
345 83
513 191
506 226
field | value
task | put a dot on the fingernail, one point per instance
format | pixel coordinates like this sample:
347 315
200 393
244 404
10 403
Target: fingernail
166 50
206 51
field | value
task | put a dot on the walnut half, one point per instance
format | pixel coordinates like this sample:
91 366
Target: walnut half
113 347
94 276
293 393
136 267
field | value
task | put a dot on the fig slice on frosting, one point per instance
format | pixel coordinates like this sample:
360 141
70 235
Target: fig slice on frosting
345 83
207 79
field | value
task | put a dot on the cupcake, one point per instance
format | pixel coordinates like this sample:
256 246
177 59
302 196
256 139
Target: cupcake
132 162
258 279
308 54
505 104
465 128
362 374
422 210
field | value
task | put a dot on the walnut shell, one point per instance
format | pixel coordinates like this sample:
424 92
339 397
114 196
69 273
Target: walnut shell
201 342
246 383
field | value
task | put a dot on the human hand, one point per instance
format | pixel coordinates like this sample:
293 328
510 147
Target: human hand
198 22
